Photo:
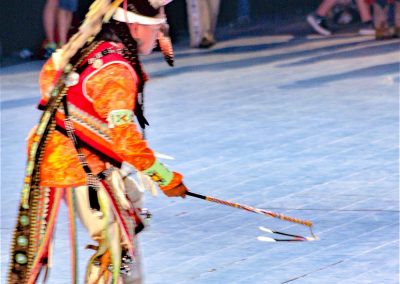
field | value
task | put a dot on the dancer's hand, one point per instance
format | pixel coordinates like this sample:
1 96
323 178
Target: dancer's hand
179 190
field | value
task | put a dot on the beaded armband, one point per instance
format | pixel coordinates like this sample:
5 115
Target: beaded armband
119 117
159 173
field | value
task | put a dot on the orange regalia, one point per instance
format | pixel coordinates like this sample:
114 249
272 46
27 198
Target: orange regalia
101 96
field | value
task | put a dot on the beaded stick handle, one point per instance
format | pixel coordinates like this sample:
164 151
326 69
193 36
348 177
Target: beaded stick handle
252 209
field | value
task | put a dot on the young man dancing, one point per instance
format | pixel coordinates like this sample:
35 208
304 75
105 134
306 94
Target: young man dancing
91 92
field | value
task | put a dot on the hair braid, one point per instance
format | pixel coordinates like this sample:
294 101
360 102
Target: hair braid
130 52
119 32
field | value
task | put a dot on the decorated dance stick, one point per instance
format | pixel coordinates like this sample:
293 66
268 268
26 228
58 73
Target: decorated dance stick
252 209
265 213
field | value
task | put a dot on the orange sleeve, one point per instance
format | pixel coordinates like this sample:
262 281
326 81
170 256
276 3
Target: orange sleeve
46 78
114 88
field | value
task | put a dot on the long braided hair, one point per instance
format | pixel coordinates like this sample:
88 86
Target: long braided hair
119 32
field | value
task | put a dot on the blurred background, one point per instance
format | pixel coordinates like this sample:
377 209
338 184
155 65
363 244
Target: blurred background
293 108
22 23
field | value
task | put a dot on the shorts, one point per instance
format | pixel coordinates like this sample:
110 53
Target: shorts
69 5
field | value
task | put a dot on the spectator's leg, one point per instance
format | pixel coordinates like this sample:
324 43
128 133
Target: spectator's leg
324 8
49 23
366 19
193 16
214 11
64 24
66 8
208 18
49 19
202 17
363 8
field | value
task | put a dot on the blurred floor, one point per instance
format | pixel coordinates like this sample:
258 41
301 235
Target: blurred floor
302 125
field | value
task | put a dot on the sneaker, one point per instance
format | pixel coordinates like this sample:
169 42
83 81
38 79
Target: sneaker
367 28
384 33
319 24
49 49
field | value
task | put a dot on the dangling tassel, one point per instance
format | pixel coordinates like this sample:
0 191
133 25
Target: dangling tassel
139 111
165 44
113 238
95 270
46 238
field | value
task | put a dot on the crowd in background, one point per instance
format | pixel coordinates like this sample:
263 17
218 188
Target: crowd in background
379 18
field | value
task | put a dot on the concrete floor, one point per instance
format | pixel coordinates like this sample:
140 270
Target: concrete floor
306 126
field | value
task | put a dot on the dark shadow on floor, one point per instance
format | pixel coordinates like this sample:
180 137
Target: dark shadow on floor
293 42
248 62
372 71
362 51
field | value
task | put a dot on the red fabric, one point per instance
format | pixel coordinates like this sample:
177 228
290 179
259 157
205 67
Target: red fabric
113 86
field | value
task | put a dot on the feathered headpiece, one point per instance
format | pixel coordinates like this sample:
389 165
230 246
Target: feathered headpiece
148 12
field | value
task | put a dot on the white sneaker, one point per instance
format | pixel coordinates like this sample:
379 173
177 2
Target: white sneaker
318 24
367 29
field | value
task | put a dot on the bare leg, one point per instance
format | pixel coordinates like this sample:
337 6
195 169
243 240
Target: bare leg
64 20
206 18
49 19
325 7
365 13
214 11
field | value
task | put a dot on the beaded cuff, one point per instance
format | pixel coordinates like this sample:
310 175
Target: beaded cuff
119 117
159 173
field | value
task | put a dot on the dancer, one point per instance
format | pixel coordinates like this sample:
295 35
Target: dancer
92 89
